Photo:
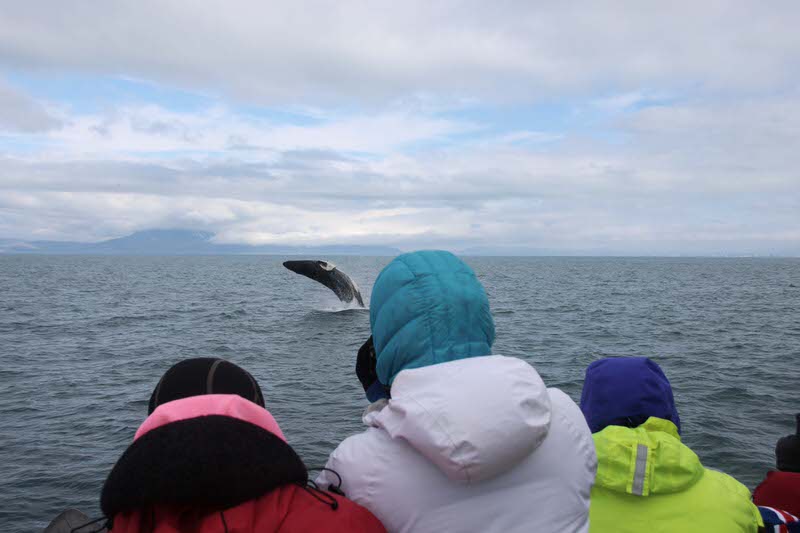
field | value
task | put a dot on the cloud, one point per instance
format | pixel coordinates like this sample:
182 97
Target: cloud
628 100
153 129
612 127
744 145
333 52
20 113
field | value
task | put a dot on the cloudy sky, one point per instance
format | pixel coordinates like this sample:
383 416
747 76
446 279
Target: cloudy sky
633 127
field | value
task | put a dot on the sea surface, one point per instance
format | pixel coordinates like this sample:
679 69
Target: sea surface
84 340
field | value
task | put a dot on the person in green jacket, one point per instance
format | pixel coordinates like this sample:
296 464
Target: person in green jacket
647 479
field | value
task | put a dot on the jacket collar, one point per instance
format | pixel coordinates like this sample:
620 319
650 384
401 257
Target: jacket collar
222 456
229 405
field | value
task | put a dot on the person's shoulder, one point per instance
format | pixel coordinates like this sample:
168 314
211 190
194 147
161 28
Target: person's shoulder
785 478
567 411
734 498
725 484
355 446
356 460
777 482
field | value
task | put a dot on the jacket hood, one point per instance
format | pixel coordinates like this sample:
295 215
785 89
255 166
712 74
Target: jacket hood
211 452
646 460
626 391
427 308
473 418
787 451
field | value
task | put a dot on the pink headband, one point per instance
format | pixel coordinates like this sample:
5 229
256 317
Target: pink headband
229 405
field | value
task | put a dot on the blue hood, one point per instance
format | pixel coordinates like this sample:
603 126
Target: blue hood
428 308
626 391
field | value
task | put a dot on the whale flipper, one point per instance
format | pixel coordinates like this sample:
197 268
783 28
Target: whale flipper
330 276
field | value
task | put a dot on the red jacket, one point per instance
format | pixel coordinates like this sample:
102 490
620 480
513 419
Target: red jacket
220 463
289 509
780 490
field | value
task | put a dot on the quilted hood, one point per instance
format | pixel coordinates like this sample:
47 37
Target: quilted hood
427 308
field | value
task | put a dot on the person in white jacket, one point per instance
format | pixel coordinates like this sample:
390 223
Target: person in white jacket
468 441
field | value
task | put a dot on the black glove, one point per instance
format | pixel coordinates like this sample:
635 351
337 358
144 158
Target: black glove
367 374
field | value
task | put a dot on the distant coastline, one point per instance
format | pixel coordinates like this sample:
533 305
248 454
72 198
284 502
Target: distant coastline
195 242
179 242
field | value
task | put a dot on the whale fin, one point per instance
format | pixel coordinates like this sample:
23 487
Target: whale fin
329 275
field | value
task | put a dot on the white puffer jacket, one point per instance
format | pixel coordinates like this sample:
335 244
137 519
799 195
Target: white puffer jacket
477 444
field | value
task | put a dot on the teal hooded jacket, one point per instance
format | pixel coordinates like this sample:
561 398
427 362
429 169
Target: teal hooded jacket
426 308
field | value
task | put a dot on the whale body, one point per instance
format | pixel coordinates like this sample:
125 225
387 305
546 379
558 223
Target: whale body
330 276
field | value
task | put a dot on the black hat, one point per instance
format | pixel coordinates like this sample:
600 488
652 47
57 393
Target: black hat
204 375
787 452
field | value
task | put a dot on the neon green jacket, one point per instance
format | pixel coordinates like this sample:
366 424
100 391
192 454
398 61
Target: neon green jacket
648 481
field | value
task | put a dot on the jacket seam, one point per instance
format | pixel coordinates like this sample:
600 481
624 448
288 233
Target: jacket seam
421 305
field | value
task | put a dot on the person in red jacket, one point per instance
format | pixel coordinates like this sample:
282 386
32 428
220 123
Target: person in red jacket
210 457
781 488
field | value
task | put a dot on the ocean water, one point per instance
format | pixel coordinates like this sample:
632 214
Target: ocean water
84 340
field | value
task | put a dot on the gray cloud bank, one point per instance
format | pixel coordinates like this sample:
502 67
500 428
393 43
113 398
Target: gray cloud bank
358 51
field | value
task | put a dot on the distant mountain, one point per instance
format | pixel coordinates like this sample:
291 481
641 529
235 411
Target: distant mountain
159 242
179 242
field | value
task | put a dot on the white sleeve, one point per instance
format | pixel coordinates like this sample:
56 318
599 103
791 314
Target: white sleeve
354 462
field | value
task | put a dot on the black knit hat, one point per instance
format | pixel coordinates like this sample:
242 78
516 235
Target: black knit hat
204 375
787 452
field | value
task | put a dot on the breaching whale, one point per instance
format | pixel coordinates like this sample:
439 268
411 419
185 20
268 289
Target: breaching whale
330 276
